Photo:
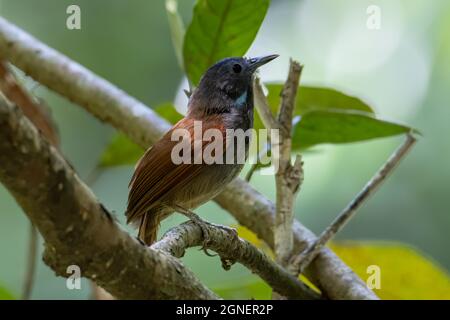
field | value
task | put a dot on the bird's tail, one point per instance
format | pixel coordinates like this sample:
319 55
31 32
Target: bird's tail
148 228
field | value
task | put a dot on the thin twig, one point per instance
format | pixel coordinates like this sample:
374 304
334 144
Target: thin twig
269 121
233 249
31 263
287 177
256 166
34 109
263 107
301 261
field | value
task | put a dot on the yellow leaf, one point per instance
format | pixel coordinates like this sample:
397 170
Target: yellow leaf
251 237
404 272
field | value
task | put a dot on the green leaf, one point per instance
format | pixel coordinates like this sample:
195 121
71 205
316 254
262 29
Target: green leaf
314 98
252 290
405 273
123 151
176 29
5 294
333 126
317 98
167 111
120 151
220 29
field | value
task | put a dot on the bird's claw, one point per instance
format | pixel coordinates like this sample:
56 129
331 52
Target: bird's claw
206 237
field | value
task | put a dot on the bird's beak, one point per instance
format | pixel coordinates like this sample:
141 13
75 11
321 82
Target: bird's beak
255 63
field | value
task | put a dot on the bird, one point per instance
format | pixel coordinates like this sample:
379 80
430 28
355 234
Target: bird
223 100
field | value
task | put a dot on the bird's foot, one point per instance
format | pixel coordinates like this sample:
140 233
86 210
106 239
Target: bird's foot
204 226
206 236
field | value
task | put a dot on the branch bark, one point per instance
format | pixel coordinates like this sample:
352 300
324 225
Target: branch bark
288 177
77 229
143 126
232 249
39 115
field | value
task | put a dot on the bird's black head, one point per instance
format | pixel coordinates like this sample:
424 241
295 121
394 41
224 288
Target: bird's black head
228 79
232 76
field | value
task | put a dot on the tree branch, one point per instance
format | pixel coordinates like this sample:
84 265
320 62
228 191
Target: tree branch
301 261
288 177
31 262
33 109
39 115
143 126
263 107
232 249
77 229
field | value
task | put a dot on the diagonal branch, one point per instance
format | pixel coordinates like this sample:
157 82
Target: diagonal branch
233 249
263 107
77 229
300 262
144 127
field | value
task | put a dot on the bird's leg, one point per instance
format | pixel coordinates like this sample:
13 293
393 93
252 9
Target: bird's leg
204 226
201 223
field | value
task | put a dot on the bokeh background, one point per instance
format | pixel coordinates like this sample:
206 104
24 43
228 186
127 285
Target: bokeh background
402 70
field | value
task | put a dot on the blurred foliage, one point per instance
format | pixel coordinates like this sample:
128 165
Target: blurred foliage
251 237
326 115
176 29
5 294
167 111
120 151
340 126
312 99
254 290
405 272
316 98
220 29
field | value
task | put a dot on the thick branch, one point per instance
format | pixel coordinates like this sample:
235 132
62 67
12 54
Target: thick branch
39 115
249 207
233 249
304 259
77 229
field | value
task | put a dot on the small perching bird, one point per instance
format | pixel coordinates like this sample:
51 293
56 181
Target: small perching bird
223 101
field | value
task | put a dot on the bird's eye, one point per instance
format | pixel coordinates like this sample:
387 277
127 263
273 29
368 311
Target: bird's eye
237 68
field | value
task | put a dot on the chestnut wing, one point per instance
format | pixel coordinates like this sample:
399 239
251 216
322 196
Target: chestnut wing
156 177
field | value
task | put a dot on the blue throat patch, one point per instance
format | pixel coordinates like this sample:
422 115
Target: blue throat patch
242 99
